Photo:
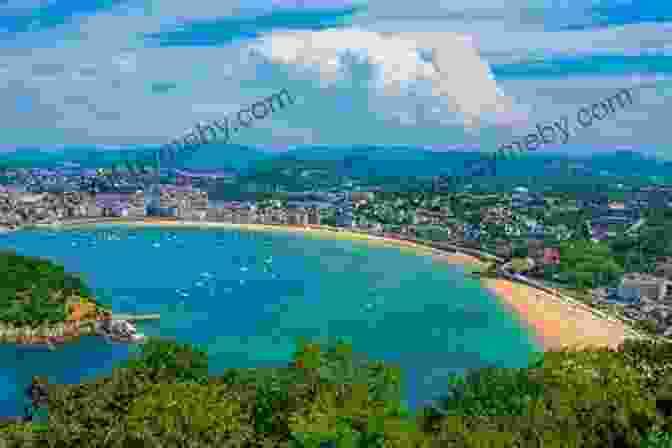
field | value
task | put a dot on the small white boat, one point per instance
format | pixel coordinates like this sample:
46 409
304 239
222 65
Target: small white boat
244 269
119 331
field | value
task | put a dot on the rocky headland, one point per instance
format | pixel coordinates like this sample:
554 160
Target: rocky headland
42 304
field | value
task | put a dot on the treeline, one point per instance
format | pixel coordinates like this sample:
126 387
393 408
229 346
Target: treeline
330 397
35 290
653 242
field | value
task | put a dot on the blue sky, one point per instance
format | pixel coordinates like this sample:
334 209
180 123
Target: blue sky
119 73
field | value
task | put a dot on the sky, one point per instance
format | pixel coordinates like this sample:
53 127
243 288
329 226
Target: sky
435 74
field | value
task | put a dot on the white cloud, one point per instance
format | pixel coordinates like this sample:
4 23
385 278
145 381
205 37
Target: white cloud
374 79
465 84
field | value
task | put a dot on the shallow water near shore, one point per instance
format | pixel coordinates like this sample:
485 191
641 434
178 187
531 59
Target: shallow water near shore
246 296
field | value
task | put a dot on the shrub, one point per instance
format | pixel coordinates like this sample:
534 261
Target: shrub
657 439
166 359
207 413
596 393
92 411
491 391
353 402
652 359
589 398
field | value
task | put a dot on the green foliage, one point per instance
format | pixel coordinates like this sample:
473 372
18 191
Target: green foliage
519 251
654 240
589 398
653 360
332 396
82 413
519 265
597 392
270 394
649 326
657 439
586 261
29 286
210 413
167 359
491 391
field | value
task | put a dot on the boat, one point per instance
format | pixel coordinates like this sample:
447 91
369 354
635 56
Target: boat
119 331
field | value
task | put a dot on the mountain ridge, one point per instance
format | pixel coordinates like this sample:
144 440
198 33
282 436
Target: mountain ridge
358 159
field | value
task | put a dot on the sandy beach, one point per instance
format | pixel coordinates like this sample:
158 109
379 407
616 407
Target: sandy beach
554 322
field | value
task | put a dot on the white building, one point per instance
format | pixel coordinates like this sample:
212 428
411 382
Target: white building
652 288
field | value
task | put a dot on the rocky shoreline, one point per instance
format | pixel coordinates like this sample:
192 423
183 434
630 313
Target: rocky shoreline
115 328
45 334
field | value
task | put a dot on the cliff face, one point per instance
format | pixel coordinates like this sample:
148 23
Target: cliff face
80 309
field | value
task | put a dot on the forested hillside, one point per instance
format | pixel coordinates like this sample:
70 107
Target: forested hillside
34 290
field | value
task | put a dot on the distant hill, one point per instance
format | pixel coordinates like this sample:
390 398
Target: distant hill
358 161
211 156
385 161
415 161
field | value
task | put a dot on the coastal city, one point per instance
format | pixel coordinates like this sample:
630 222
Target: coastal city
336 224
610 251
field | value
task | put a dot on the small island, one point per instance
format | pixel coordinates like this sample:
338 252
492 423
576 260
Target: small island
40 303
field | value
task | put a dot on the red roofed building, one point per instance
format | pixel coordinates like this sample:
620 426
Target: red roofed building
551 255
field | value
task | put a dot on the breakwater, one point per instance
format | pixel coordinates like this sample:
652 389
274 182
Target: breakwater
136 317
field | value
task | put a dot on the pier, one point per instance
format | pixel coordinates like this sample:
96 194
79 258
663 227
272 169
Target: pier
136 317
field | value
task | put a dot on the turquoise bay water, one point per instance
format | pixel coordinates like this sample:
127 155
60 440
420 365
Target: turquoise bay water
220 290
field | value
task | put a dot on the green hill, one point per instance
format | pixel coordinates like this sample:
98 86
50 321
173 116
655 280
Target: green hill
35 290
